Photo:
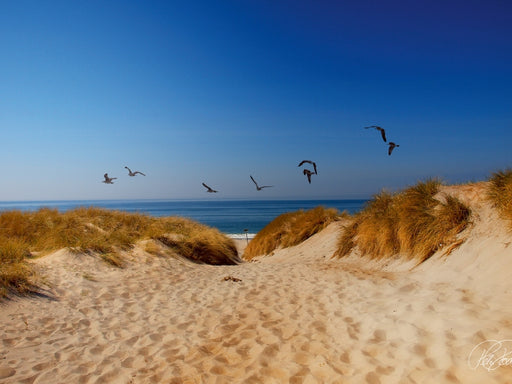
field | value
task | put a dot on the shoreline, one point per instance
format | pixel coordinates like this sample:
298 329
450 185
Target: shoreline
241 236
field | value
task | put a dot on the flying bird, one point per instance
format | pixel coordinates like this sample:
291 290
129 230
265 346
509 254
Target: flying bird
130 173
391 147
308 173
108 180
310 162
382 131
209 190
258 187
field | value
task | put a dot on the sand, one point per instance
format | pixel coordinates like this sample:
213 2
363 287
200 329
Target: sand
296 316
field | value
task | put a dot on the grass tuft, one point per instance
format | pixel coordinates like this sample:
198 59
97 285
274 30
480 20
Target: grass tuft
500 192
200 243
413 224
290 229
15 275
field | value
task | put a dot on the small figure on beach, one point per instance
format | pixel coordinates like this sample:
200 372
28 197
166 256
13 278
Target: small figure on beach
310 162
130 173
308 173
108 180
209 190
258 187
382 131
391 147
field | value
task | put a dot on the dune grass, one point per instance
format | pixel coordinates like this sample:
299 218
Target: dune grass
414 224
290 229
104 232
196 242
15 274
500 192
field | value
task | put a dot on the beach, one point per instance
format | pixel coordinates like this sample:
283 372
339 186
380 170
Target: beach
256 192
295 316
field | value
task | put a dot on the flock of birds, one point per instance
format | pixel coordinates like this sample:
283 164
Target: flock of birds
108 180
383 134
307 172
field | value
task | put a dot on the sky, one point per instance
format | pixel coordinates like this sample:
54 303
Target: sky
215 91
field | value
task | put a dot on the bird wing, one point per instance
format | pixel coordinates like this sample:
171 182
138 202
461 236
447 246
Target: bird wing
309 177
305 161
383 134
140 173
314 166
204 185
254 181
391 147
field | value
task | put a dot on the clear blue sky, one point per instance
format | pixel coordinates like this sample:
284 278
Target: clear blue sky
214 91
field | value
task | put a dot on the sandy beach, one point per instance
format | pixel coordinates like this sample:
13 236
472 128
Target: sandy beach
296 316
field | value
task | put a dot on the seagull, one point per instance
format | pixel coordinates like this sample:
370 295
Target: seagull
308 173
108 180
209 189
258 187
382 131
130 173
391 147
310 162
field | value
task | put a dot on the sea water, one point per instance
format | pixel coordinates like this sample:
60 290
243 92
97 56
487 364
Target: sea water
237 218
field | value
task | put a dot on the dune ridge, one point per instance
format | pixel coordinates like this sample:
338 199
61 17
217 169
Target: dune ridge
296 316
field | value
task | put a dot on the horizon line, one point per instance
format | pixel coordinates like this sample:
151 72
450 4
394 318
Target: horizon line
185 199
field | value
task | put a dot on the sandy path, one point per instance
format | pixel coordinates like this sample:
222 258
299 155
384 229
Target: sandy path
295 317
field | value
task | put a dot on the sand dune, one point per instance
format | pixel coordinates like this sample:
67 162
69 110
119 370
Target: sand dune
297 316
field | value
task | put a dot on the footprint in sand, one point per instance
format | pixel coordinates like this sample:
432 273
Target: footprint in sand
372 378
408 288
354 329
6 372
420 349
430 363
378 336
42 366
9 342
345 357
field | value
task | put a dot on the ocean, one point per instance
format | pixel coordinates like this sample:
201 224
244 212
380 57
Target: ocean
232 217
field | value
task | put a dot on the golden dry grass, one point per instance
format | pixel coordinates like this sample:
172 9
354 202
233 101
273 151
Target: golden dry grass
500 192
290 229
199 243
15 274
101 231
413 224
